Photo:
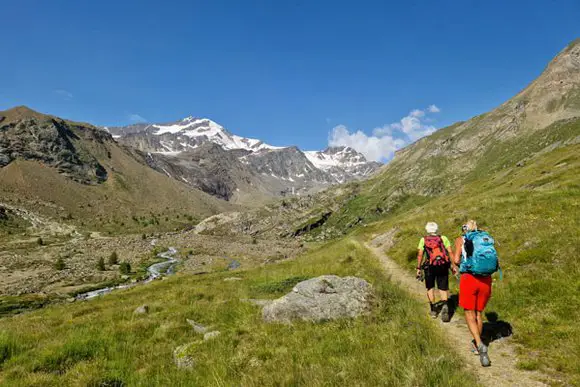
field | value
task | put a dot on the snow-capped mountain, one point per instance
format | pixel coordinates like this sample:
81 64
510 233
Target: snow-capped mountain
343 163
188 133
179 150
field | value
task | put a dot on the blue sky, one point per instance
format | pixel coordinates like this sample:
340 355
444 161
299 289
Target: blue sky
287 72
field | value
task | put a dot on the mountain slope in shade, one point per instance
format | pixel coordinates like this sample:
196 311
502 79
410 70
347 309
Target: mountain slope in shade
266 170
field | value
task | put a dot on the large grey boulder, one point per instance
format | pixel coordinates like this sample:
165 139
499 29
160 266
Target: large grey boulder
322 298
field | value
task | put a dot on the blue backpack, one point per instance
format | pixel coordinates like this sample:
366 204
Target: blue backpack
481 255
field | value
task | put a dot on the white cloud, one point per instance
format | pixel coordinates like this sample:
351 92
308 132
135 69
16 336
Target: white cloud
417 113
63 93
433 109
387 139
373 147
137 118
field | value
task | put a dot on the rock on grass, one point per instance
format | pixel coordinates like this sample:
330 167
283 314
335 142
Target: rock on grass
181 357
322 298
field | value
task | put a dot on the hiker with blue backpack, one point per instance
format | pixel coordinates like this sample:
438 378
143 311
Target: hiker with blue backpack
476 256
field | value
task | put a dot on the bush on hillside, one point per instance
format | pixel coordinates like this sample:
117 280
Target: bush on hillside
59 264
114 258
101 264
40 241
125 268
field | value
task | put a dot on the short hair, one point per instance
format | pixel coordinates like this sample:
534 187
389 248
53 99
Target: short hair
471 225
431 227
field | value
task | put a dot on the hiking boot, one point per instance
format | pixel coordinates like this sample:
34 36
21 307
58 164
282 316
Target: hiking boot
433 312
445 315
483 357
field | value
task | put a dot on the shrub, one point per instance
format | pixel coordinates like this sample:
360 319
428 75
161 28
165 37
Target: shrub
59 264
114 258
125 268
101 264
143 236
8 347
40 241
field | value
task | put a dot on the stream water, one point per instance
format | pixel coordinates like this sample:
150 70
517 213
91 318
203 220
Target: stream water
155 271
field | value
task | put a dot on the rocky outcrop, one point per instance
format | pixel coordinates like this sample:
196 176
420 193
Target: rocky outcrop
322 298
27 135
208 167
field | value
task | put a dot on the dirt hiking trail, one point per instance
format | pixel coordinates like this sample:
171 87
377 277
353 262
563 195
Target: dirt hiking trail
503 370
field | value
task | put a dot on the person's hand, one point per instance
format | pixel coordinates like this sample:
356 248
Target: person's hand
453 270
418 272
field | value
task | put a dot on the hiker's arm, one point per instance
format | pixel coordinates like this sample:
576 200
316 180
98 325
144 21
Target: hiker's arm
451 253
419 261
457 253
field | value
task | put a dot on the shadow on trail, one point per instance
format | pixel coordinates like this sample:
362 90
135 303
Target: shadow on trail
495 329
452 304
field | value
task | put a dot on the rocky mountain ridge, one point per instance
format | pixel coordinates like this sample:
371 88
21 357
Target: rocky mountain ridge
246 166
24 134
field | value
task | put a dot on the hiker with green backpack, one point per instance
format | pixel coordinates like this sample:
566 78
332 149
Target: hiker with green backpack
433 264
476 256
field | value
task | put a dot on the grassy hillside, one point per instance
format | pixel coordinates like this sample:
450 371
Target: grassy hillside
533 211
102 341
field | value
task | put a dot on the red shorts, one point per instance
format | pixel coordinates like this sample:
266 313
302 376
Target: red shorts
474 291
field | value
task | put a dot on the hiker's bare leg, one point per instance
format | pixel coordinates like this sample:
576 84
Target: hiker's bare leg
444 295
479 318
431 295
472 324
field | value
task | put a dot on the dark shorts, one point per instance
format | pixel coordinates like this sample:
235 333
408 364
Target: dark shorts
437 275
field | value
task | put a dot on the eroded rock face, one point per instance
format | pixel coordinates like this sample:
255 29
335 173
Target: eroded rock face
54 142
322 298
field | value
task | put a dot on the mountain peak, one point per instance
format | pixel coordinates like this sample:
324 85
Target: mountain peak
188 119
21 112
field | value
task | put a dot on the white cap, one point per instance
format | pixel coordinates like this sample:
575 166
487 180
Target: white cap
431 227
